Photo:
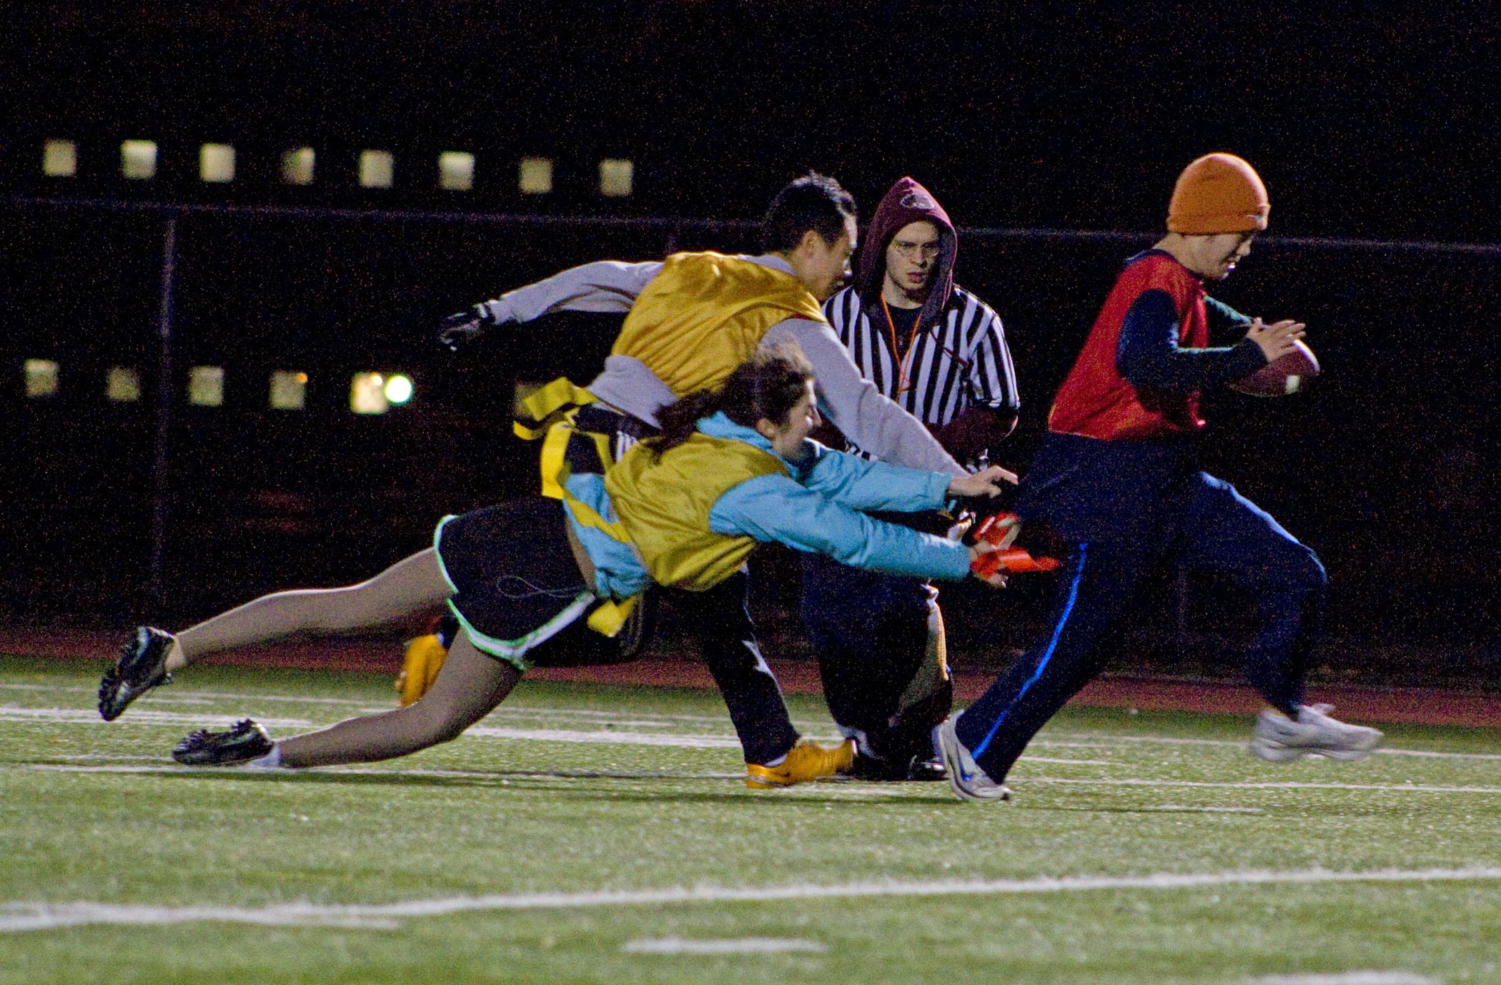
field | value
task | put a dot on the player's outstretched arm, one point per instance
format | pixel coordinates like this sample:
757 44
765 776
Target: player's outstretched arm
602 287
985 484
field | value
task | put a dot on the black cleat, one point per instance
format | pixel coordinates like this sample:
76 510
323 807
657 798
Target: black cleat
141 666
879 769
245 741
927 768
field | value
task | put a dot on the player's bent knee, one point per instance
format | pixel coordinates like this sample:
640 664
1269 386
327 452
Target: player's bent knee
430 722
446 731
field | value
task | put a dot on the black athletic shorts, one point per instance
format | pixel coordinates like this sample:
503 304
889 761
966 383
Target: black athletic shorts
518 592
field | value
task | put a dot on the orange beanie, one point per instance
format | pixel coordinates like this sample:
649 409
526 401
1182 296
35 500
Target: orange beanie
1218 193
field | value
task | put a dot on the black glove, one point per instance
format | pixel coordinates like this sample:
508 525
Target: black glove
465 327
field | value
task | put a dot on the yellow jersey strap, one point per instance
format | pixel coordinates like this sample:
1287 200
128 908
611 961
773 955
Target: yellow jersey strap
545 406
549 413
609 616
555 448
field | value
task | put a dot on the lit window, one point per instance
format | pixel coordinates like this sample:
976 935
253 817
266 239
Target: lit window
216 163
536 175
138 159
60 159
288 390
614 177
376 393
41 378
367 394
206 386
297 166
377 168
122 384
456 171
398 388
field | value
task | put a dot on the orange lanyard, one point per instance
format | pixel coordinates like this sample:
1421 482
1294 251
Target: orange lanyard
902 361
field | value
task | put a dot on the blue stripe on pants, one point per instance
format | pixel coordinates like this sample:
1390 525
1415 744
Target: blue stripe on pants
1047 653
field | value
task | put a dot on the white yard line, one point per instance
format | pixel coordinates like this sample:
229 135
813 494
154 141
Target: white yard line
177 695
177 719
23 915
632 732
1365 977
736 945
194 719
603 737
1023 780
165 766
1079 741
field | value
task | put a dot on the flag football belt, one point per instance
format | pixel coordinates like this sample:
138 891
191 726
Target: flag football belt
577 437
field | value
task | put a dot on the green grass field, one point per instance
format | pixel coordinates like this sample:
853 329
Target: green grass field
589 834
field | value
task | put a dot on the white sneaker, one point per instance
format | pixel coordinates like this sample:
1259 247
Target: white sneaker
968 781
1279 739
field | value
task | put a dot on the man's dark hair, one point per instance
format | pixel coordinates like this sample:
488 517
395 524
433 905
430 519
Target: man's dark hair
814 201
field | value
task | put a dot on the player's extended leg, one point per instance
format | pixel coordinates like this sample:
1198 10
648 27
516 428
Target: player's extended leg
470 685
1094 587
774 755
1229 533
723 624
410 590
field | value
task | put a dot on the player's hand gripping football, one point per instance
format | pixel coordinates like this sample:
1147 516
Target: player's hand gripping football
464 328
1277 339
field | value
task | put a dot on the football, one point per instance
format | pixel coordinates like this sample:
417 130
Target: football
1283 375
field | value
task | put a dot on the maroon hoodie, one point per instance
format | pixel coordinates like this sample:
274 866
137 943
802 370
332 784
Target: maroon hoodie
906 201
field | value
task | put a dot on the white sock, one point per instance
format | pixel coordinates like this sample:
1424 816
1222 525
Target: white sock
270 761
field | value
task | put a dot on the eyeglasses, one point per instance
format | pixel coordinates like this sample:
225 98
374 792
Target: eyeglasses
911 251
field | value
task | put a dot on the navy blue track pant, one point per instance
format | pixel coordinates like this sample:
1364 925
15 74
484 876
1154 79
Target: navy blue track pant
870 634
1217 530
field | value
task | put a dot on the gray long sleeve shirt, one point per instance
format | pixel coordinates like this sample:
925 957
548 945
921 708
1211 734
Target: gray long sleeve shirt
850 401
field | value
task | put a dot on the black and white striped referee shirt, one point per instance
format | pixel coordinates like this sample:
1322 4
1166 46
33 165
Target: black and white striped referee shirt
959 361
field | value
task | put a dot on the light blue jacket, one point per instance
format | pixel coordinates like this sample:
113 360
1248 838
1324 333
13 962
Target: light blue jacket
817 507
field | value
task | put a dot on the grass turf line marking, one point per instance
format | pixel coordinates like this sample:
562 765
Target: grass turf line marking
605 738
162 766
510 712
615 736
156 767
192 697
20 916
743 945
1074 741
611 737
1254 785
1348 978
79 716
151 716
